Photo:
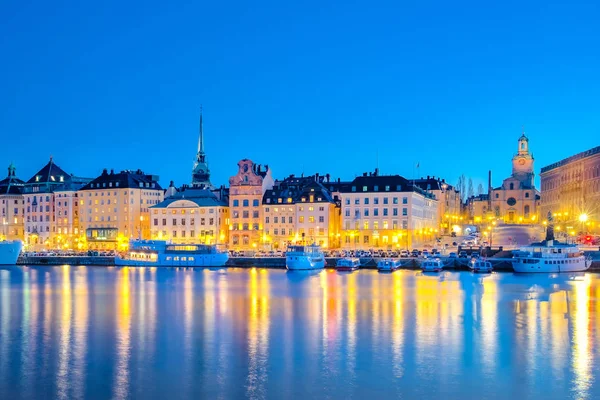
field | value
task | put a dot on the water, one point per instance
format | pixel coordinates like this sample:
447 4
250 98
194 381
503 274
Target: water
85 332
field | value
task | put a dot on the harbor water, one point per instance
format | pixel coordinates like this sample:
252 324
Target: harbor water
106 332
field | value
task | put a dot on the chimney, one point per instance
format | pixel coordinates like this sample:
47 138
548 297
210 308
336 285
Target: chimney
327 176
104 171
364 174
376 171
112 171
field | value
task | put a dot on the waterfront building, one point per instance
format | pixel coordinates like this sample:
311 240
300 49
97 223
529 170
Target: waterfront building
67 231
201 172
39 196
246 191
571 190
191 215
517 200
301 210
448 197
386 211
12 203
114 208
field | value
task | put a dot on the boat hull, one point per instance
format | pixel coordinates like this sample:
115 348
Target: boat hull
204 260
576 264
9 252
304 263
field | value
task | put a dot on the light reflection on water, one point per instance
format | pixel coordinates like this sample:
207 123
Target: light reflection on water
85 332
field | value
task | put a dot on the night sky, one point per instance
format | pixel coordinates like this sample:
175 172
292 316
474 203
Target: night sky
333 87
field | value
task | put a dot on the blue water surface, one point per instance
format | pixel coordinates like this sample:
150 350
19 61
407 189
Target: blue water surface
144 333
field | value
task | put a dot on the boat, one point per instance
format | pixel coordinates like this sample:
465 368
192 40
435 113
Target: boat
481 266
304 257
550 257
160 253
9 251
347 264
434 265
388 264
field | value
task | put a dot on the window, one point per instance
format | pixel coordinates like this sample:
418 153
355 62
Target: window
255 203
395 212
354 188
376 212
155 221
376 200
366 200
245 203
395 200
347 201
405 200
527 195
347 212
364 188
385 200
311 219
254 214
366 212
174 221
301 219
356 201
321 219
245 214
290 220
275 220
375 188
405 211
267 220
512 186
366 239
385 212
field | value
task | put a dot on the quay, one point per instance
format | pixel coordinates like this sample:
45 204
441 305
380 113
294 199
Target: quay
458 264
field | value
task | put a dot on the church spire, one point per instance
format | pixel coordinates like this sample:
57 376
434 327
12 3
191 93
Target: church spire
201 135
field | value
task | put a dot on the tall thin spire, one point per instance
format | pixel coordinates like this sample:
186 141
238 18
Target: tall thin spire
201 135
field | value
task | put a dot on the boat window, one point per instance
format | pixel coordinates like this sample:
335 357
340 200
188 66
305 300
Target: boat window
191 258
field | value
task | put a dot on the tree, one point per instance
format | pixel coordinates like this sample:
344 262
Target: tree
480 189
470 192
462 187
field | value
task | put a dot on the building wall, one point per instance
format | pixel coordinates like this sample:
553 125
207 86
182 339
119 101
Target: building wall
12 208
184 221
125 209
571 187
39 219
411 219
66 214
246 191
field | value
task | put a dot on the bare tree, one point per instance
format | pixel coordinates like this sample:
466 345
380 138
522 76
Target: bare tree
470 192
461 185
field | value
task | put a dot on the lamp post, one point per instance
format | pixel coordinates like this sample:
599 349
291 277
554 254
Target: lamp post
583 219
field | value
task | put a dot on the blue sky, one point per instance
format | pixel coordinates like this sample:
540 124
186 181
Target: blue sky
332 86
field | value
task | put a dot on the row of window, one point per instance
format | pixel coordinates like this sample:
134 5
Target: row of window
192 211
191 233
376 200
374 225
366 212
246 203
376 188
245 214
290 232
211 221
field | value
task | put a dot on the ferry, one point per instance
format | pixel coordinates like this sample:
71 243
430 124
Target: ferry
304 257
160 253
480 266
388 264
347 264
9 251
432 265
550 256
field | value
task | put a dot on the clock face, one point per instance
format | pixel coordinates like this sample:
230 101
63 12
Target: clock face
521 161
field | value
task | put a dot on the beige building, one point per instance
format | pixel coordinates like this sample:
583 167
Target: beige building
448 197
114 208
191 216
388 212
571 190
517 200
12 206
246 192
301 210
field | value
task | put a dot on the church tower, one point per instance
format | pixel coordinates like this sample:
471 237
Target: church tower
522 163
201 173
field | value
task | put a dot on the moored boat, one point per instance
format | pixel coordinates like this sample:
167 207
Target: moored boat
434 265
388 264
304 257
9 251
160 253
550 257
478 266
347 264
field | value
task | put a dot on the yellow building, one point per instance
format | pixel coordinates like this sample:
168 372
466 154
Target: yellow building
301 210
246 191
191 216
571 191
449 202
114 208
12 205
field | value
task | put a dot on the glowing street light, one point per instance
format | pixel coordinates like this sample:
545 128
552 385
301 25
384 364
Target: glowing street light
583 218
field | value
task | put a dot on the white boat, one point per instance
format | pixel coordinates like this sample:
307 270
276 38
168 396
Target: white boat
347 264
304 257
160 253
434 265
388 264
9 251
550 256
481 266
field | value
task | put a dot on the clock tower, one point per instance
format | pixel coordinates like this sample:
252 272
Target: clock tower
522 162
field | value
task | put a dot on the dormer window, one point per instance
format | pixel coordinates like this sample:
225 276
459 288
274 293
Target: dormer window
354 188
376 188
364 188
280 200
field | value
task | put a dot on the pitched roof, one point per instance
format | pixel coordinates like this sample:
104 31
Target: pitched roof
11 184
50 174
297 188
124 179
202 197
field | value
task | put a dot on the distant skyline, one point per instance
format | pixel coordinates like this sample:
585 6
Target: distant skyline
329 88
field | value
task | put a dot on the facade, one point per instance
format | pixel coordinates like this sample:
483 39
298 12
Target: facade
191 216
12 206
301 210
246 191
38 196
67 230
387 212
448 197
517 200
571 188
114 208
